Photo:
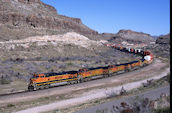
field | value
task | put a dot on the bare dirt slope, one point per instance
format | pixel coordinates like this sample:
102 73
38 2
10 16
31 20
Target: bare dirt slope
68 38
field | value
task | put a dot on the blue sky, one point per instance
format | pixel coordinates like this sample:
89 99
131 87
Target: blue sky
148 16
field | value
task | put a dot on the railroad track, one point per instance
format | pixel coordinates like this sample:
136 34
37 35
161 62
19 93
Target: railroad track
143 54
14 93
148 72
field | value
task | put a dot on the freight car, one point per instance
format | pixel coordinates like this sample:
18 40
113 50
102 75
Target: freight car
46 80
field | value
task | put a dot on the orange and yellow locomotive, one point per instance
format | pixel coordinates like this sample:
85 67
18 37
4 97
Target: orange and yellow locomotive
46 80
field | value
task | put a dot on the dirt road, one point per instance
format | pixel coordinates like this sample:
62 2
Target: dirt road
99 87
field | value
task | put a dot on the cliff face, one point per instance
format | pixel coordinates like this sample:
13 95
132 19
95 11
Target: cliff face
34 14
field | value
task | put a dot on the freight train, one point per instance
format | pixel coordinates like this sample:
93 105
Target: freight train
46 80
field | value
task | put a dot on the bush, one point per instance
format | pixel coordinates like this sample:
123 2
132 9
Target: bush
19 60
102 110
141 105
168 77
136 105
111 94
4 80
10 105
163 110
69 63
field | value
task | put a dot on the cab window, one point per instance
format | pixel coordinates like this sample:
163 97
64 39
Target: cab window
36 76
41 76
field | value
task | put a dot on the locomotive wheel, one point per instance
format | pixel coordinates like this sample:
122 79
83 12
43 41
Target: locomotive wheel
86 79
141 65
105 75
75 82
42 87
127 70
35 88
30 88
72 82
46 86
68 83
144 65
80 78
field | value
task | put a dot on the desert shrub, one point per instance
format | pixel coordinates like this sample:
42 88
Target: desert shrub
66 58
69 63
61 66
4 80
168 77
105 110
97 61
52 60
135 105
26 78
44 58
63 59
19 60
141 105
111 94
85 59
163 110
38 58
10 105
48 66
72 57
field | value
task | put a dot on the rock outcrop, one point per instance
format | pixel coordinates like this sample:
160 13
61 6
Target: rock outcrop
132 36
162 46
34 14
108 36
165 39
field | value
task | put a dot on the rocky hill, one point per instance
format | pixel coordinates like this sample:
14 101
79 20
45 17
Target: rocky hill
165 39
132 37
162 46
23 18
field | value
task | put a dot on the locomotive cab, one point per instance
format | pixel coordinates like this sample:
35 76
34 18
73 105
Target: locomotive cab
35 78
32 82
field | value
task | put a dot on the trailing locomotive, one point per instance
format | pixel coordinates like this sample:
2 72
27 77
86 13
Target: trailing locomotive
46 80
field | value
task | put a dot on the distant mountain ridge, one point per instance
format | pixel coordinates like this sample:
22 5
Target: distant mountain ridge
131 37
135 36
